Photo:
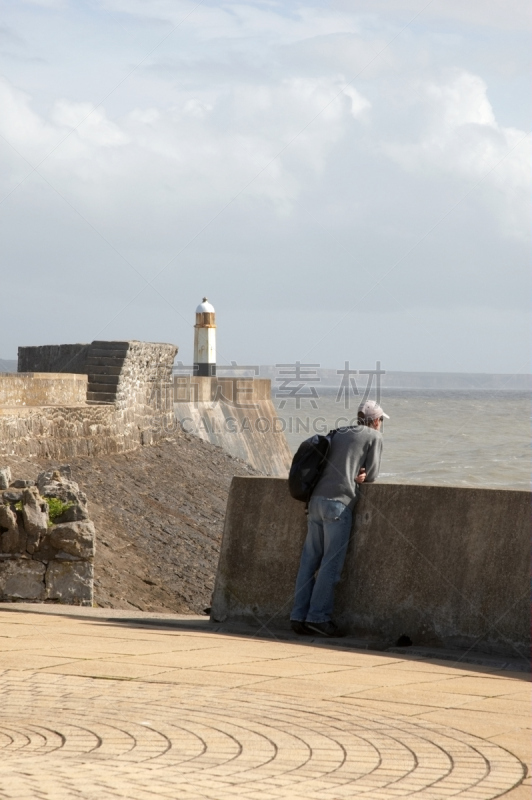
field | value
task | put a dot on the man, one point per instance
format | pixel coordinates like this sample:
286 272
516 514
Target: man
354 458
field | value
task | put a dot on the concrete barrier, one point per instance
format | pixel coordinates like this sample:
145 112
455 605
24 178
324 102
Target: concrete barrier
444 566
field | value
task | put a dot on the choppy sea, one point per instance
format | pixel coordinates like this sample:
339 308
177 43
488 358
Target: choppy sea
450 437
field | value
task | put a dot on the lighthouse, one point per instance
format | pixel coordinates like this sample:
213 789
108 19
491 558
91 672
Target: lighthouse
205 340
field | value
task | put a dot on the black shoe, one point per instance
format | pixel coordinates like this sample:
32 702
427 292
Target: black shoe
328 629
299 627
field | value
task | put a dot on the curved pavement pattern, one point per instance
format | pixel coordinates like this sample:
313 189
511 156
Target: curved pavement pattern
76 737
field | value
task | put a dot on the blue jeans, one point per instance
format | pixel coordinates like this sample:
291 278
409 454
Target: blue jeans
322 559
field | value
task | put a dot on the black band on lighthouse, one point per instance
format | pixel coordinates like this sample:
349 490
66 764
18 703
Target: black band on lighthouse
205 370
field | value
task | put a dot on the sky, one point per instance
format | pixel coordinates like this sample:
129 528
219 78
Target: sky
343 180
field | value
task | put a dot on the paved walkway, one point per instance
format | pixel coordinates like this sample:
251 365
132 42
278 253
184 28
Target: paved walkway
97 706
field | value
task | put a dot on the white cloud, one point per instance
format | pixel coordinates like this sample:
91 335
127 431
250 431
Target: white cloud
184 144
281 22
89 123
500 14
342 144
460 136
46 3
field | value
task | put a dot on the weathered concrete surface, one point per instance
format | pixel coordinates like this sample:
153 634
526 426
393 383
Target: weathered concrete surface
236 414
42 389
443 565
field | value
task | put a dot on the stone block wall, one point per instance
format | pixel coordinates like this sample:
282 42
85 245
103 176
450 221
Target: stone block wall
46 540
63 432
444 566
131 374
42 389
69 358
127 403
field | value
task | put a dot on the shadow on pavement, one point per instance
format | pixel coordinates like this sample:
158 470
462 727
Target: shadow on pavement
150 621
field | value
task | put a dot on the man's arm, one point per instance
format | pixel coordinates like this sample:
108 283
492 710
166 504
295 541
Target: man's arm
373 459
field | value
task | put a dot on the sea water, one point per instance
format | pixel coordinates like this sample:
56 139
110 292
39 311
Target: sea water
444 437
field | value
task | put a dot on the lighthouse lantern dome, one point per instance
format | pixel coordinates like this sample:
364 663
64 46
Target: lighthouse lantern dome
205 307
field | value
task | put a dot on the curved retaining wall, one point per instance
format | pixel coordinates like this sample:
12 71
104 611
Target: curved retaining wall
237 415
443 565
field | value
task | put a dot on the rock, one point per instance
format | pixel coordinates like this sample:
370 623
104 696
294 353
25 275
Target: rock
74 513
12 497
35 518
57 483
57 473
13 539
74 538
44 551
8 518
70 582
5 477
41 561
22 579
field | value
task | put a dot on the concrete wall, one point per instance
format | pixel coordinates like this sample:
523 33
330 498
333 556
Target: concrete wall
134 408
237 415
445 566
42 389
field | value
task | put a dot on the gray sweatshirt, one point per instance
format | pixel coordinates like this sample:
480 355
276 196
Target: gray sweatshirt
351 448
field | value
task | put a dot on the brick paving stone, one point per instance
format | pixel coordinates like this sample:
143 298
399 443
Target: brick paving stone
108 723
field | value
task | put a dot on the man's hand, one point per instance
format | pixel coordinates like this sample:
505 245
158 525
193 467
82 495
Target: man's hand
361 477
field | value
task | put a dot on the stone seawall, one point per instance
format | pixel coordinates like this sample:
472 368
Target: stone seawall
123 400
442 565
69 358
236 414
63 432
42 389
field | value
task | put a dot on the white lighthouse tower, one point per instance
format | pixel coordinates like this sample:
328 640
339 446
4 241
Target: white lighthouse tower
205 340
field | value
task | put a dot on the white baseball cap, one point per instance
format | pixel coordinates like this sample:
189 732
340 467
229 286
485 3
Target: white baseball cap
372 410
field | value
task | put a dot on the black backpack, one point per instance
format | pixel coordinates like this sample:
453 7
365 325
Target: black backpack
308 464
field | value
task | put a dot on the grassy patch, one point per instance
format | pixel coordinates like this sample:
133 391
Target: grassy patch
56 508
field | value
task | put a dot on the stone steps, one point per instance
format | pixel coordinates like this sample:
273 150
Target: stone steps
102 377
100 398
99 352
105 365
98 344
106 388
